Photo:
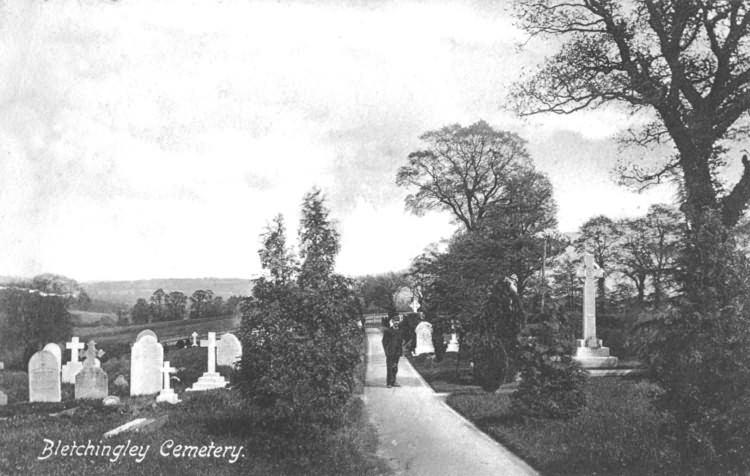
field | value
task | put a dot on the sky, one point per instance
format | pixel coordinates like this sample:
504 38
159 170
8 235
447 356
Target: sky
143 139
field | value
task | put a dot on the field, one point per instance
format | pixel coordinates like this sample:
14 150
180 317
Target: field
168 331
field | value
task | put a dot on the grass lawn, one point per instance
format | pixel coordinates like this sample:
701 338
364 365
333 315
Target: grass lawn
617 434
215 417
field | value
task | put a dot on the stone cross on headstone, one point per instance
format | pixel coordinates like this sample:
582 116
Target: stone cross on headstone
414 305
194 335
590 272
74 345
167 394
92 353
71 369
590 352
210 343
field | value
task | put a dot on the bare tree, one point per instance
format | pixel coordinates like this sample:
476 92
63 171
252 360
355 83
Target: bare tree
685 61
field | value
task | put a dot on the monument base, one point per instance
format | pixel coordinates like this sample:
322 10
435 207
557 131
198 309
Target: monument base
594 357
168 396
208 381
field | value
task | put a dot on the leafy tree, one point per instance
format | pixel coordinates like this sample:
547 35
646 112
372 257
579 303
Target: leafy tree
518 226
634 258
667 236
274 254
551 381
176 306
141 312
318 241
300 338
201 303
380 290
158 305
30 319
464 170
599 236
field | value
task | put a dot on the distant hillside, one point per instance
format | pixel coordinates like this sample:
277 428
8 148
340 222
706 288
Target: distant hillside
127 292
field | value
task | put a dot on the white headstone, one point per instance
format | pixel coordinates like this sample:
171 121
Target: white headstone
210 379
194 335
146 361
44 378
72 368
167 394
92 381
228 350
424 339
146 332
3 399
57 352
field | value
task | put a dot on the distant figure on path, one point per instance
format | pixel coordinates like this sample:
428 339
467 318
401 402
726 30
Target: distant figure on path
392 347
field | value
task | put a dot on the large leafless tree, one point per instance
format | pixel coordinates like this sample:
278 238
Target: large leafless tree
685 61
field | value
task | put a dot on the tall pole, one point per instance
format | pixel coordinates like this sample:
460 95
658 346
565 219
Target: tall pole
544 262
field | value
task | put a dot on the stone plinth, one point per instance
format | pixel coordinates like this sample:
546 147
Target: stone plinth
168 395
594 357
208 381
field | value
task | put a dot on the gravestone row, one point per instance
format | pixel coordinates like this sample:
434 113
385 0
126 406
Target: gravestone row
149 373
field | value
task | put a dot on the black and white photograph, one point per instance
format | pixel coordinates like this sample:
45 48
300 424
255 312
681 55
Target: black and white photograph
375 237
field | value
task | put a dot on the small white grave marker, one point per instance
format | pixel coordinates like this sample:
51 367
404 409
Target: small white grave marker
194 335
167 394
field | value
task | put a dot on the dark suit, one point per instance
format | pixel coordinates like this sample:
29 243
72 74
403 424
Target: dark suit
392 347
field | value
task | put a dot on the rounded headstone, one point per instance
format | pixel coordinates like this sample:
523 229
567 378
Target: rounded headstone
228 350
56 351
146 360
44 378
146 332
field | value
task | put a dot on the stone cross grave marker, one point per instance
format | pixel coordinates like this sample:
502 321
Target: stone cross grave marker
44 378
590 272
167 394
211 378
71 368
228 350
414 305
590 352
55 350
210 344
424 339
194 335
91 381
146 361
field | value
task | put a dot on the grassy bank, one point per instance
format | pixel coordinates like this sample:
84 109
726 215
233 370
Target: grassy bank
617 434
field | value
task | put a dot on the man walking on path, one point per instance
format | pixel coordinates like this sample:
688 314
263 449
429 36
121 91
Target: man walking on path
419 435
392 348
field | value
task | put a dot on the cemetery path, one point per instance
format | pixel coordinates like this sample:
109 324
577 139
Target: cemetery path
419 434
